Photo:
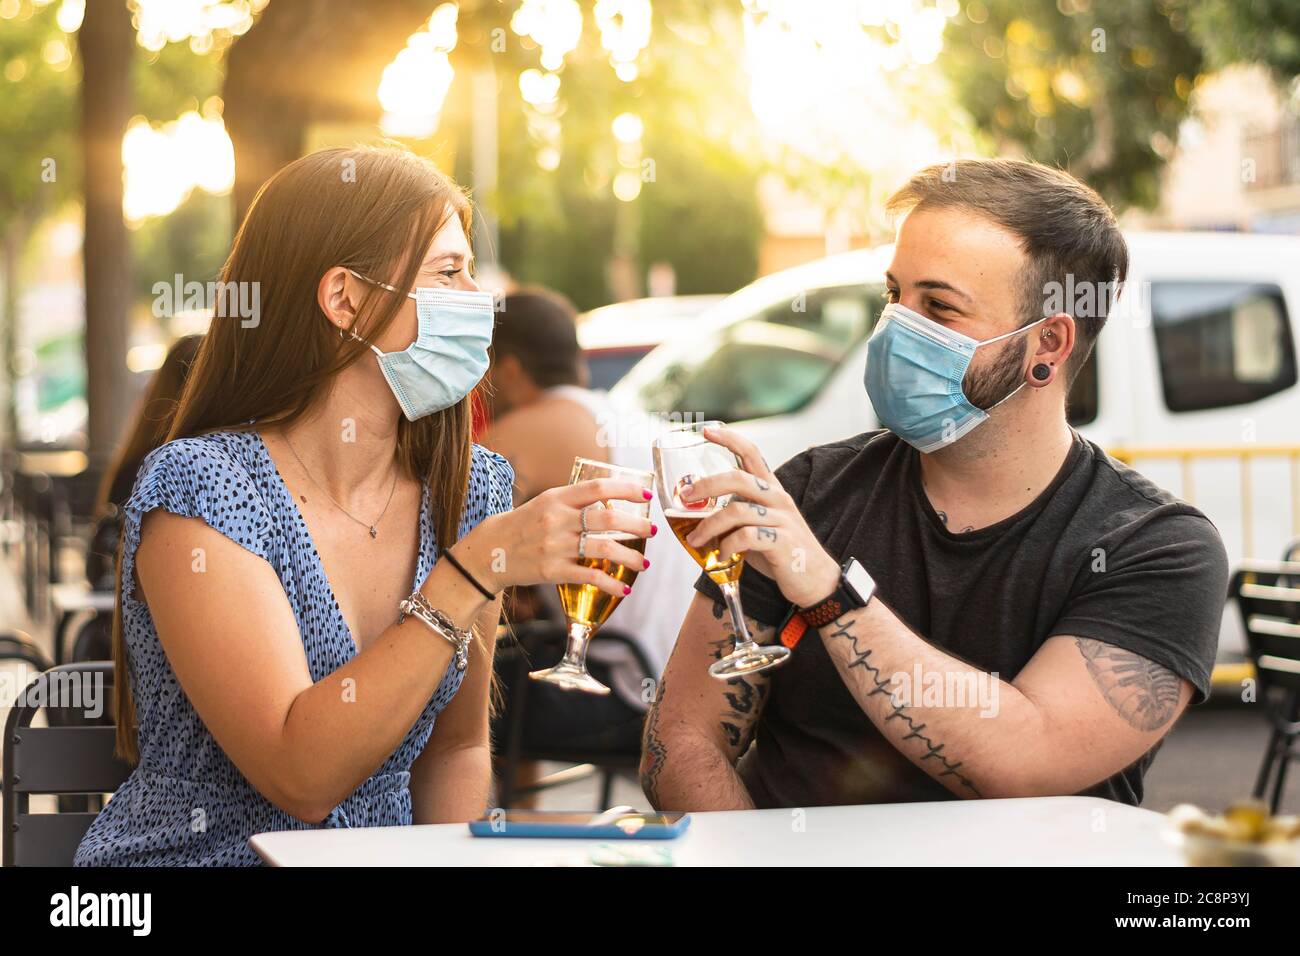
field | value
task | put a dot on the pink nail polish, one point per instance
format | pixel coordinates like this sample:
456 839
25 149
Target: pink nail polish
646 492
627 589
654 529
646 565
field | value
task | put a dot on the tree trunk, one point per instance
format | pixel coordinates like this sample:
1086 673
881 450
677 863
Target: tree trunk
306 62
106 41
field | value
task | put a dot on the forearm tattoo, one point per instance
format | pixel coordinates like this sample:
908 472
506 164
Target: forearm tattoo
744 695
933 759
1144 694
653 750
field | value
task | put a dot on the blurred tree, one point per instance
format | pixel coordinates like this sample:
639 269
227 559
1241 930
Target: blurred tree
320 61
1097 87
39 165
304 62
107 42
697 206
1251 31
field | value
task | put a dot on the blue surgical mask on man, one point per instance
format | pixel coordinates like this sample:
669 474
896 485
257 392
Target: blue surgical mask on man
915 369
449 355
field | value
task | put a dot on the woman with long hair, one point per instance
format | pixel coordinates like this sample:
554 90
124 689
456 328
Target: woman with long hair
311 566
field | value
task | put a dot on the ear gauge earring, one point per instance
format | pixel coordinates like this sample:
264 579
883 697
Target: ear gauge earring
1041 372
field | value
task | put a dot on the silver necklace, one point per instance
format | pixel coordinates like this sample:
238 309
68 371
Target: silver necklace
372 528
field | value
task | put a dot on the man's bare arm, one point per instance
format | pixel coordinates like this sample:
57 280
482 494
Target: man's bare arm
1080 710
699 726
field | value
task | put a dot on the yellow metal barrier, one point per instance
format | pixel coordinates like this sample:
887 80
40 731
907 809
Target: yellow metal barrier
1226 674
1185 455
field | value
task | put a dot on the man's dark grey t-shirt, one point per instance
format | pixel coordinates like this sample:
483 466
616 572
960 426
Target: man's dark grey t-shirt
1101 553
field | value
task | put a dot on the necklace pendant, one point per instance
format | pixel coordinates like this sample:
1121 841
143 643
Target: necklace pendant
373 532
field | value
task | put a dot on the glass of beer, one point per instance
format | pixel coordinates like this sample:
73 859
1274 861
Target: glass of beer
587 607
683 455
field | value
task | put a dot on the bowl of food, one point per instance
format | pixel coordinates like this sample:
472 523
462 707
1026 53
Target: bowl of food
1245 834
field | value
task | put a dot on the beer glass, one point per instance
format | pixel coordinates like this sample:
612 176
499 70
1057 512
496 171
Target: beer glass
586 607
683 454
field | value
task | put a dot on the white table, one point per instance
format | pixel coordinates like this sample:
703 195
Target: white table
1037 831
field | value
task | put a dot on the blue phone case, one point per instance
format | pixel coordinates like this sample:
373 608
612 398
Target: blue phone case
505 828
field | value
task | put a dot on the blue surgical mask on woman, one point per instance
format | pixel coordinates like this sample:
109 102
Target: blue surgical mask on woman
449 355
915 369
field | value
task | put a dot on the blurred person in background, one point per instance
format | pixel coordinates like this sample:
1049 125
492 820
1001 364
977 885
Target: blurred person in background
148 431
985 603
295 641
543 416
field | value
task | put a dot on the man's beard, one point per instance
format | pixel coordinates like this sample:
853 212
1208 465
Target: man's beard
1000 379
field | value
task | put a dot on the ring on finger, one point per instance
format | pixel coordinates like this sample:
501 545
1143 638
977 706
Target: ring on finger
582 515
582 546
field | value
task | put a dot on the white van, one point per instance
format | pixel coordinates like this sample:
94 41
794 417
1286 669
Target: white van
1193 381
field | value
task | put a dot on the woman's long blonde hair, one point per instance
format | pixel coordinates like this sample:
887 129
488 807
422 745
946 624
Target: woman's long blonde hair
372 209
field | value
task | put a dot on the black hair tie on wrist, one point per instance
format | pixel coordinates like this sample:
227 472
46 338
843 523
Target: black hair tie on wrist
468 577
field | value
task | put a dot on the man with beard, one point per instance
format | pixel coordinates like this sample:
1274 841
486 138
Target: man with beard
979 601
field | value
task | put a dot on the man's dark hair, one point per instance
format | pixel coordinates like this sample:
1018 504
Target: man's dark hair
538 327
1064 227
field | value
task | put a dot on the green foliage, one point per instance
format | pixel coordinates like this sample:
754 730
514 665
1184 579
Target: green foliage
38 114
698 207
1098 87
1251 31
174 80
192 242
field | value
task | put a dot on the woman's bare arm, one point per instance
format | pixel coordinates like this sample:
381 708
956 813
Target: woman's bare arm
233 641
452 777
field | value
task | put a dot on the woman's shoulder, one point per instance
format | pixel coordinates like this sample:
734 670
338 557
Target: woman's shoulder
491 478
213 452
216 476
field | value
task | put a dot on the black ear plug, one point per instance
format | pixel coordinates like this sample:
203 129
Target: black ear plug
1041 371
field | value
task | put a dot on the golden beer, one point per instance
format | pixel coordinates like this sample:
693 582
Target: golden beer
587 604
720 570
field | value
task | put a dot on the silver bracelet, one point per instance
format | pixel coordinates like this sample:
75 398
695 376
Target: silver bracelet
418 606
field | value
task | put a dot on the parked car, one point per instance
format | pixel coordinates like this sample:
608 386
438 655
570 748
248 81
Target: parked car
1193 380
615 337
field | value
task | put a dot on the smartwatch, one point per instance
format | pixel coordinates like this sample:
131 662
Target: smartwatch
854 590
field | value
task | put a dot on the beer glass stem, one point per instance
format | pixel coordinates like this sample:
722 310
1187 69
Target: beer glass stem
741 638
575 653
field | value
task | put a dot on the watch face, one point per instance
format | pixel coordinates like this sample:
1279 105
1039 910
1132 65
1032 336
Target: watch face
858 581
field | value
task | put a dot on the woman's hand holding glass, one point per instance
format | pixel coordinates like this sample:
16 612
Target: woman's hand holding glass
537 542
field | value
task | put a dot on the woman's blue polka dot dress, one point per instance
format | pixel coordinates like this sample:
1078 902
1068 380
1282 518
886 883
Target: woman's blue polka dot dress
186 803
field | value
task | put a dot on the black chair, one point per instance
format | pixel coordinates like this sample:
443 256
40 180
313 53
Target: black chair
19 646
513 655
1268 595
68 757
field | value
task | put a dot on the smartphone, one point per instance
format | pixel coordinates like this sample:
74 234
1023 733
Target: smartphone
618 824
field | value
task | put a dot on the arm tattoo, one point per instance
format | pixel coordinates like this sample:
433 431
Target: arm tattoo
1144 694
653 749
744 695
881 687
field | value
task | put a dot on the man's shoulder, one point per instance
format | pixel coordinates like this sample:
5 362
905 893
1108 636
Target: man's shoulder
822 465
1127 503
